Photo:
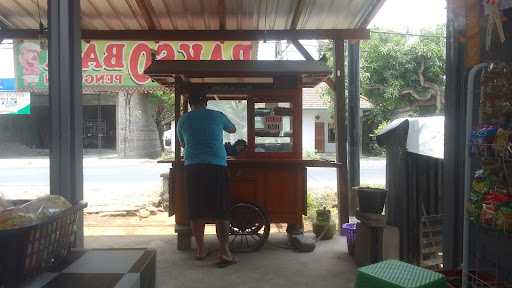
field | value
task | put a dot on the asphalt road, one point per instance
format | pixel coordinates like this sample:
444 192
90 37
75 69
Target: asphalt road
119 184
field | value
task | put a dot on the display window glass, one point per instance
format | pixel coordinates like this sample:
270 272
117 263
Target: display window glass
236 111
273 127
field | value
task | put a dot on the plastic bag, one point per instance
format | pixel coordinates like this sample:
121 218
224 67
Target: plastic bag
35 211
45 206
4 204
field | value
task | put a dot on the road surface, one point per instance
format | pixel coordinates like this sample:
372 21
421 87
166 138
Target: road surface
123 184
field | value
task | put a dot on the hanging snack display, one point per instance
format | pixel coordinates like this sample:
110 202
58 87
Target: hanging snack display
491 195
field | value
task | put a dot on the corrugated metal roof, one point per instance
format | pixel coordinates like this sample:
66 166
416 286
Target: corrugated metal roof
311 98
201 14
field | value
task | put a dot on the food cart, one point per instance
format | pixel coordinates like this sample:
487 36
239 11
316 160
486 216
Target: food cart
268 180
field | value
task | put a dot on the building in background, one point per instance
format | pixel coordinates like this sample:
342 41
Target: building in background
118 117
318 128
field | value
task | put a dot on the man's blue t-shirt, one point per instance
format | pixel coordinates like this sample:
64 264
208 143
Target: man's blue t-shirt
200 131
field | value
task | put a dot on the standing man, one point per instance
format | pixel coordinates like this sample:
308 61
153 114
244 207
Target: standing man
200 133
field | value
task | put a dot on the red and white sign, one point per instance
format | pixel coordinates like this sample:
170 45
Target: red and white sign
274 124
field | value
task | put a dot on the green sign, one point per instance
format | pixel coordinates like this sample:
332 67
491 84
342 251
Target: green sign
116 65
14 103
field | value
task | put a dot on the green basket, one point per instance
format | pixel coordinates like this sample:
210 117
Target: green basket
396 274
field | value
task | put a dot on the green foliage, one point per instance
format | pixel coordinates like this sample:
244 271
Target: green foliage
310 155
318 201
163 102
391 63
380 128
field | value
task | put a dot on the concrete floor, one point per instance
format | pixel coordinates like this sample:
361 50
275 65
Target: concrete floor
328 266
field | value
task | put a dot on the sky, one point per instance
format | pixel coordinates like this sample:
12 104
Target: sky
395 15
410 15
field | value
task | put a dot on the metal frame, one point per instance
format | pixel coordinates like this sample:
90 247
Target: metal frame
455 106
65 88
354 119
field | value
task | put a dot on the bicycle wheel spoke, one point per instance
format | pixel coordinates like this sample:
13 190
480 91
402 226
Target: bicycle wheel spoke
250 225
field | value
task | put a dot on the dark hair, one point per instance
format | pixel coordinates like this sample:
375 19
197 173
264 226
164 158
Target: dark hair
240 142
197 97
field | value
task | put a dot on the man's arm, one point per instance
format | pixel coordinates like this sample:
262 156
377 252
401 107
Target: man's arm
227 125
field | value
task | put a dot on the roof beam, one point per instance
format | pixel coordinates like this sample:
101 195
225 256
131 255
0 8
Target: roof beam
4 24
203 35
371 13
147 10
222 14
302 50
296 14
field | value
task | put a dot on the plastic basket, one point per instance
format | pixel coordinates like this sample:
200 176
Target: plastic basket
27 251
350 231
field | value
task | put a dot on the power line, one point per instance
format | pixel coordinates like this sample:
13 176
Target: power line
408 34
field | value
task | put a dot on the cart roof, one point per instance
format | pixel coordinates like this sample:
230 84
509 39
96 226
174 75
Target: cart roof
238 71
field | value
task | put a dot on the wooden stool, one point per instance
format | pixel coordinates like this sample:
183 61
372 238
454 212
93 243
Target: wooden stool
396 274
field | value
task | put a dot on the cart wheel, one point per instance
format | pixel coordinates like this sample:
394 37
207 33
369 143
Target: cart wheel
249 228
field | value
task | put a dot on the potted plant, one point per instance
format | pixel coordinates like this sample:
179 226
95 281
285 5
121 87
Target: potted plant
323 227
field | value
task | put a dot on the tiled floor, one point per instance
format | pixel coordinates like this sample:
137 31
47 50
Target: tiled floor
328 266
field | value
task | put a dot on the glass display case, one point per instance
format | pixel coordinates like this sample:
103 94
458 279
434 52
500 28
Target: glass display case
273 127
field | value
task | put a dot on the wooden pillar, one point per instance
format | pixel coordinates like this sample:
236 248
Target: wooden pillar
65 89
341 130
182 227
177 114
473 48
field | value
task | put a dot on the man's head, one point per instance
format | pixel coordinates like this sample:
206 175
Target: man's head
197 99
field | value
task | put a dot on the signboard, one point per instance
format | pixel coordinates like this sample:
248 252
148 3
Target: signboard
116 64
273 124
15 103
7 84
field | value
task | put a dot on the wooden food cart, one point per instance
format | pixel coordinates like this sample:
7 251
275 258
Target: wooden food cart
268 180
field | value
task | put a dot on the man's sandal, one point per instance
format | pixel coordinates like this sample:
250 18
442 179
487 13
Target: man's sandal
202 257
223 263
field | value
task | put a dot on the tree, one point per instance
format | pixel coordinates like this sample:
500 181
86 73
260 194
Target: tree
401 75
164 112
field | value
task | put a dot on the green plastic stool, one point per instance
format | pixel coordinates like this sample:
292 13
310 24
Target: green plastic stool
396 274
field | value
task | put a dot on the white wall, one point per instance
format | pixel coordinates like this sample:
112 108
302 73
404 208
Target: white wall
308 129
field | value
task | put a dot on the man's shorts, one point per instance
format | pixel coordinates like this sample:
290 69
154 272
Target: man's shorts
208 191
